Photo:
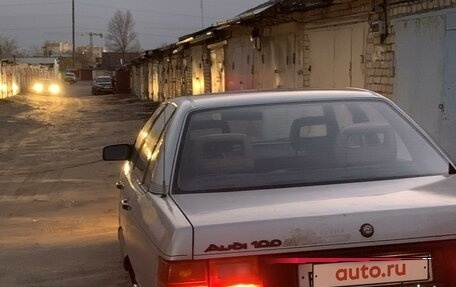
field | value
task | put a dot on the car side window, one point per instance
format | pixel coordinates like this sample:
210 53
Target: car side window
146 127
140 148
150 147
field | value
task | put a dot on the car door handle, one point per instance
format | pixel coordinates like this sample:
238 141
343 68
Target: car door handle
120 185
125 205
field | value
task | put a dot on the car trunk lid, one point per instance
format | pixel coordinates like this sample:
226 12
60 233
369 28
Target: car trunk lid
297 219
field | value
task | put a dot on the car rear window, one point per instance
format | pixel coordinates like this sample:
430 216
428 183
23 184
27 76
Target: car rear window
270 146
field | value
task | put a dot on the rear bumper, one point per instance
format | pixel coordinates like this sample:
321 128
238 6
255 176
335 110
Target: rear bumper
103 90
277 273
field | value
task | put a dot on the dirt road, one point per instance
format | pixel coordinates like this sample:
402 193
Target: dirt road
58 203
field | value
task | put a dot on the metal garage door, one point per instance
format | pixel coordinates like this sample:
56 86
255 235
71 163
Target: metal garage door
448 107
425 80
337 56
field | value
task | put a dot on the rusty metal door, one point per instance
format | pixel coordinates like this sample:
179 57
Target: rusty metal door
242 67
197 70
284 59
217 70
266 64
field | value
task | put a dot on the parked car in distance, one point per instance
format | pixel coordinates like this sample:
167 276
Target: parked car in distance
69 77
310 188
46 87
102 85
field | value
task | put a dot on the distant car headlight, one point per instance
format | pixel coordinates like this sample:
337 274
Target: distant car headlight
38 88
54 89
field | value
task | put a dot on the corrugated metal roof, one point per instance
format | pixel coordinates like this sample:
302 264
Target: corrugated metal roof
250 13
260 8
274 11
299 5
184 39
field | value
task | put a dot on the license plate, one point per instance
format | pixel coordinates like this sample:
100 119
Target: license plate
366 272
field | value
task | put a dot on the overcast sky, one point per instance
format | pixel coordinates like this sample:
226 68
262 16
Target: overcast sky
32 22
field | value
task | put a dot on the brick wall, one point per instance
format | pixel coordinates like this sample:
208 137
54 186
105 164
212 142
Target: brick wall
380 69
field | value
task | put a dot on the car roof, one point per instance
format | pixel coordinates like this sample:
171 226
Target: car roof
241 98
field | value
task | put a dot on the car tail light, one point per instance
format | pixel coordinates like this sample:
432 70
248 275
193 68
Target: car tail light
183 273
444 263
235 272
230 272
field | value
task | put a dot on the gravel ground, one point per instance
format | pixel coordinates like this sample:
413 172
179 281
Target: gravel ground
58 203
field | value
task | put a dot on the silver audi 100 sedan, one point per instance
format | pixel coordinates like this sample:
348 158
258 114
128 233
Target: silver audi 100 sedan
310 188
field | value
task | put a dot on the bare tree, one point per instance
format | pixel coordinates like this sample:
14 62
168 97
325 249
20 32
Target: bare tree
8 47
121 36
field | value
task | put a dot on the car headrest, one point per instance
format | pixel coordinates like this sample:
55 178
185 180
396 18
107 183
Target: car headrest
309 133
366 143
222 153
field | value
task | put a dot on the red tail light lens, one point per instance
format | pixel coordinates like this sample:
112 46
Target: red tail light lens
444 263
231 272
235 272
183 273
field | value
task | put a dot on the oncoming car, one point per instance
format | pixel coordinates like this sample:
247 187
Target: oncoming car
46 87
285 188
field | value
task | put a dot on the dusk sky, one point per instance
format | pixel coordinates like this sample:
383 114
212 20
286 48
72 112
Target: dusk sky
31 22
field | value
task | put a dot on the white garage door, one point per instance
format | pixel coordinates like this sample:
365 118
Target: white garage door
337 56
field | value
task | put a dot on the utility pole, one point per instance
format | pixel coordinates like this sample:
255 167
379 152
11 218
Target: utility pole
72 13
202 15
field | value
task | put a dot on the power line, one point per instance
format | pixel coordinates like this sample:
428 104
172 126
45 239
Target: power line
54 15
32 4
36 28
139 10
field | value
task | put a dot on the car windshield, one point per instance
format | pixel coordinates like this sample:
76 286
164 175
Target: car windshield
282 145
103 80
